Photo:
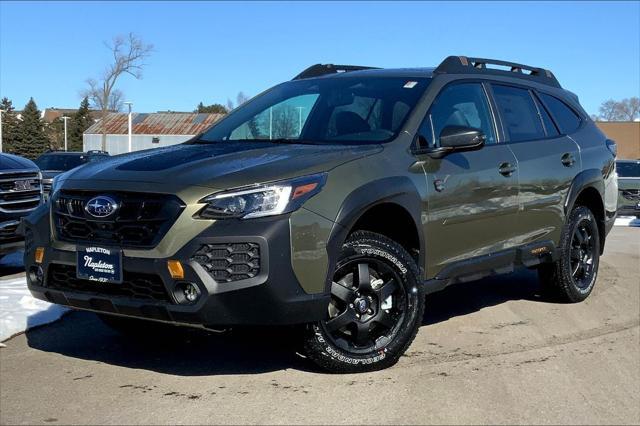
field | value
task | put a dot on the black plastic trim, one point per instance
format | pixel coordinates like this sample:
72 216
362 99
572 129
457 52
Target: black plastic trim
502 262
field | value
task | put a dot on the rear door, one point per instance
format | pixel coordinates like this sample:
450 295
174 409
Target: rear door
473 195
548 160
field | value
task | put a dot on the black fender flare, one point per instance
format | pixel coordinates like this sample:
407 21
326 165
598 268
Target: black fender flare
585 179
398 190
589 178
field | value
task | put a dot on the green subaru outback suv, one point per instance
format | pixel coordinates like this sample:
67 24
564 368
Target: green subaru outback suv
337 201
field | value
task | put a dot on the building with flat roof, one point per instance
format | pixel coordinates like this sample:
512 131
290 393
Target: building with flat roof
627 137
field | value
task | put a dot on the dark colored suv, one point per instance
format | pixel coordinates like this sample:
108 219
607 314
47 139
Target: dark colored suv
628 187
338 200
20 194
53 163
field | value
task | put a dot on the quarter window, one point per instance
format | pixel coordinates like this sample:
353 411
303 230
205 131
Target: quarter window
568 120
462 104
519 113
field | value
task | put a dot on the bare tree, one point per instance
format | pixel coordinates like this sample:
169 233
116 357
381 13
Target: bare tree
240 99
624 110
609 110
95 95
129 53
629 109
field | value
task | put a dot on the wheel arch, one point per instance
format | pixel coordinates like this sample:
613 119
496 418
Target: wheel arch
364 207
587 189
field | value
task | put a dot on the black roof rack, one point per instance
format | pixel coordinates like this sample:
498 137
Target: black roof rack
465 65
323 69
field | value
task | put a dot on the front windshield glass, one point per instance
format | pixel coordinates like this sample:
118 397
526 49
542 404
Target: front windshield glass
60 162
344 110
629 169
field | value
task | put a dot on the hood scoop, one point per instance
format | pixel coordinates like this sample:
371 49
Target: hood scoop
180 155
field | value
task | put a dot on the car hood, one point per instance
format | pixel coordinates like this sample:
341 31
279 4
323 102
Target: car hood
11 162
219 165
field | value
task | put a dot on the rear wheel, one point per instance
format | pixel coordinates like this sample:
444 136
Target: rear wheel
572 277
376 308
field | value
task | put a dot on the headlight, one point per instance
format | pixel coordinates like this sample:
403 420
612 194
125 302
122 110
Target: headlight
264 200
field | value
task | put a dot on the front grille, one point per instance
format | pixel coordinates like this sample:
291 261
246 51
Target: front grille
46 186
140 221
8 231
134 285
631 194
20 191
229 262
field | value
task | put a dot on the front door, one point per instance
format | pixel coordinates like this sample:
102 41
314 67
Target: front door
473 195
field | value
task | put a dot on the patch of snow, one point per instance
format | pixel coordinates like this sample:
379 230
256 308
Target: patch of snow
627 221
19 311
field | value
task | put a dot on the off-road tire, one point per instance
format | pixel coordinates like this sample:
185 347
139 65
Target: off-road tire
321 347
557 279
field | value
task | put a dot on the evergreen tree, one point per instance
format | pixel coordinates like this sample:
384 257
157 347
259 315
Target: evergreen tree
80 121
9 125
55 133
31 140
213 108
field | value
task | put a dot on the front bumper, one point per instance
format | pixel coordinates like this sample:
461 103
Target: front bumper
273 296
10 238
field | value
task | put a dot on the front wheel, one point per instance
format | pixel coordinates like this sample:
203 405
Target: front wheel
377 304
572 277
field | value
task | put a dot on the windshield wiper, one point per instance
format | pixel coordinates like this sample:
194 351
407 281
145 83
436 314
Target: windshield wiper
288 141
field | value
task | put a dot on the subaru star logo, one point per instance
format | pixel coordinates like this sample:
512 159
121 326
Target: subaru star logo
101 206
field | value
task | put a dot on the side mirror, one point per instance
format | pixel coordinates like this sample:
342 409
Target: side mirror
456 138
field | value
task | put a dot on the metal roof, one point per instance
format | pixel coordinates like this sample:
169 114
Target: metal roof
160 123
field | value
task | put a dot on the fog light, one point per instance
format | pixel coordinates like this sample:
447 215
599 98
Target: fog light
39 256
190 292
36 275
175 269
186 293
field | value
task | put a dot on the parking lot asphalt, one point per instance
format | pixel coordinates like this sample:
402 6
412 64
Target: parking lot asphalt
491 351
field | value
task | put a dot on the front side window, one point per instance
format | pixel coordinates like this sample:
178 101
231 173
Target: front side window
339 110
519 113
568 120
463 104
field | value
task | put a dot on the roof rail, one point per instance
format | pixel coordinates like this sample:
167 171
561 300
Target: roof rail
465 65
323 69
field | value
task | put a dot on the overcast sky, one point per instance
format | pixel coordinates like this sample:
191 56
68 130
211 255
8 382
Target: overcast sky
208 51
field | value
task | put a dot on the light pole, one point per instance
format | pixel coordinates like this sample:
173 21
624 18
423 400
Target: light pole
299 120
65 131
1 111
129 105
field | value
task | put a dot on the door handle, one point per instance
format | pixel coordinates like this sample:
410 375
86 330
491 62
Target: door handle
507 169
568 160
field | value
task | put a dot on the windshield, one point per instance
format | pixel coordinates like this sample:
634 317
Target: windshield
344 110
628 169
60 162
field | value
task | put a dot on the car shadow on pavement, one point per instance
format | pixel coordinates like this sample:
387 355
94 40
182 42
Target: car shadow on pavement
181 351
193 352
465 298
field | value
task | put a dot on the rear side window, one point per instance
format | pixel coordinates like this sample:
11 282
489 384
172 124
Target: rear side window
549 127
568 120
519 113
